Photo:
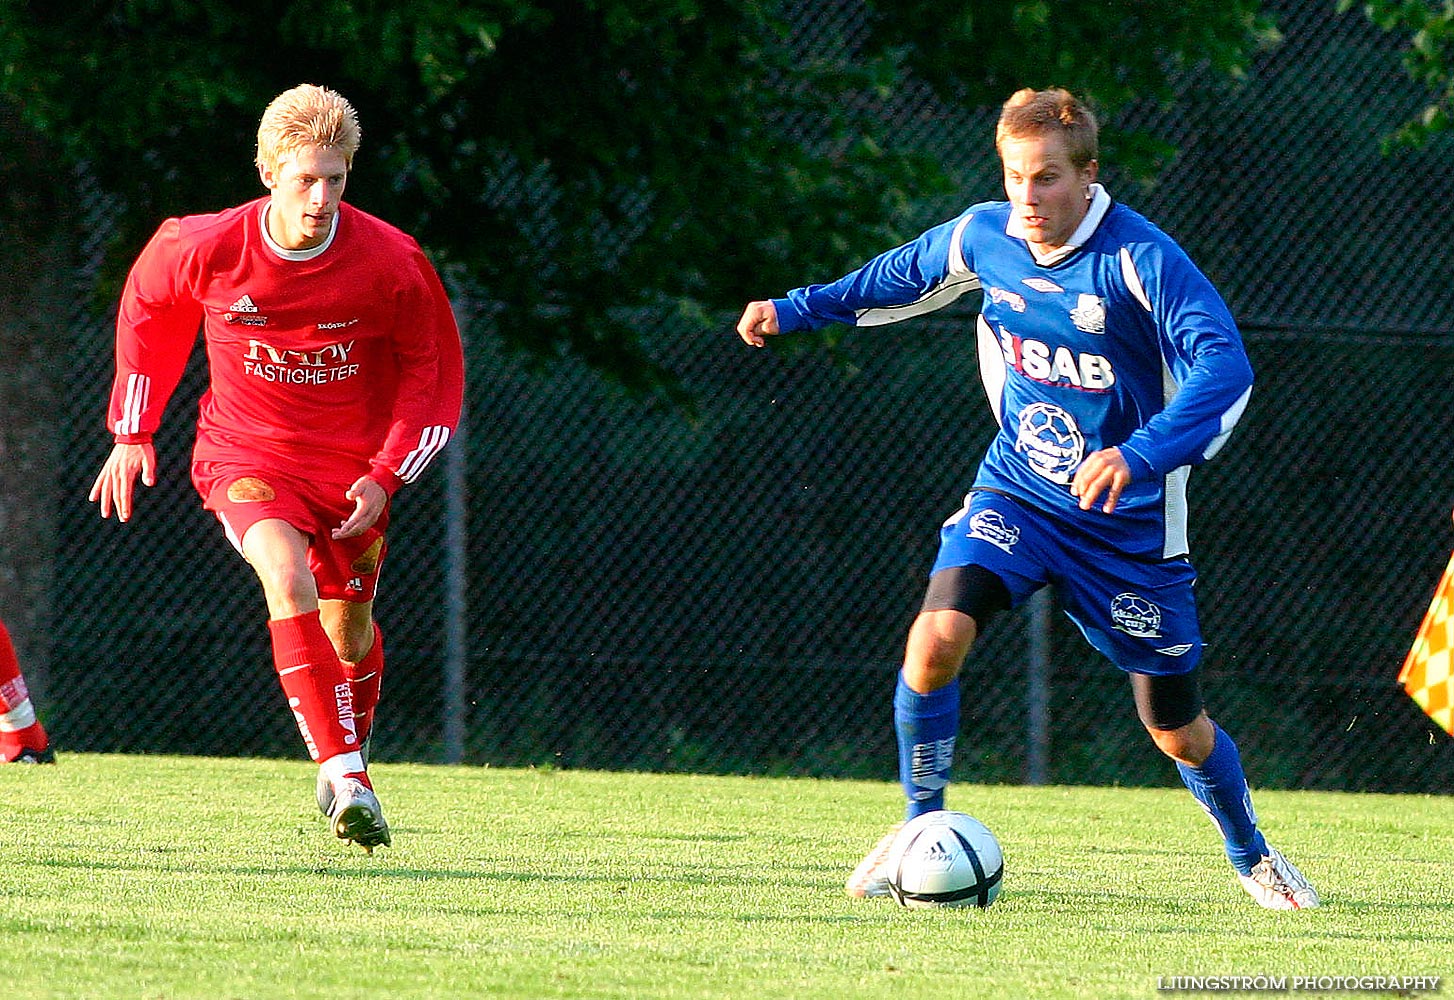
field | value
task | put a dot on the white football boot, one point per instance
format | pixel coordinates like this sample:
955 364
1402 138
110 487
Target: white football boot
323 788
871 877
1276 884
357 815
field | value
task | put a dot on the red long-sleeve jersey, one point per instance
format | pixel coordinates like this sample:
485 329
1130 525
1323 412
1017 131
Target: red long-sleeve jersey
340 360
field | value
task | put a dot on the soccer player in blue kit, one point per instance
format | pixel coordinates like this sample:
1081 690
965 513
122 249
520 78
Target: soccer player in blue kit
1112 367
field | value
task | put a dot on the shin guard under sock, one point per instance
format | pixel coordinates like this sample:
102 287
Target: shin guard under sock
926 725
312 678
1221 787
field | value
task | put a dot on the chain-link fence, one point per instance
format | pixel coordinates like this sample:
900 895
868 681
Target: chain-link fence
630 587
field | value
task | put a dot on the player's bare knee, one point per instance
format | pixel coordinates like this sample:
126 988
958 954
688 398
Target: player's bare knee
1190 744
350 627
352 645
287 591
352 636
925 678
938 643
1169 742
1170 707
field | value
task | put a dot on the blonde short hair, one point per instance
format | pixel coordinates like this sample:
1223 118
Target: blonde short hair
307 115
1033 113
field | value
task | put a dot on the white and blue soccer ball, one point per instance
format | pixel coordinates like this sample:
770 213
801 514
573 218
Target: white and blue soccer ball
945 858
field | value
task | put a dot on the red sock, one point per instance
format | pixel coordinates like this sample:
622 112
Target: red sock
365 677
318 693
19 728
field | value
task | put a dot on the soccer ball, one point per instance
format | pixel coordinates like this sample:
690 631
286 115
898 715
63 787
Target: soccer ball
945 858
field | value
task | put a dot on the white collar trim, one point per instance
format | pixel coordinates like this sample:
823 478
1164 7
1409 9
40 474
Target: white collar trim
286 254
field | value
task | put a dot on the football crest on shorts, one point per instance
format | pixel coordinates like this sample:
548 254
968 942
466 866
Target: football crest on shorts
368 560
1136 616
991 526
250 489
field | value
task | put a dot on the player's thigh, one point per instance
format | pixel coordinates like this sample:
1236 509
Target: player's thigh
278 554
283 525
990 558
1140 615
1167 703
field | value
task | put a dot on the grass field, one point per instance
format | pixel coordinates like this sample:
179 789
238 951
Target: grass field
181 877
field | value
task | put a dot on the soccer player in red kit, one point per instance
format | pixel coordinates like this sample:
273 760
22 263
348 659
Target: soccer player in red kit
336 375
23 739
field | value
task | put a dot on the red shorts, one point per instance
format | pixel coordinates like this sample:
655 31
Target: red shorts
345 569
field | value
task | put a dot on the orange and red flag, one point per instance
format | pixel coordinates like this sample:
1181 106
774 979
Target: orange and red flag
1428 672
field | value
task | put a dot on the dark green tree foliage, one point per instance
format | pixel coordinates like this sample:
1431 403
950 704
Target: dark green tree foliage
575 165
1116 50
1429 59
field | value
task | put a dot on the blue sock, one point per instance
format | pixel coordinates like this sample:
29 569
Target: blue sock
1221 787
926 725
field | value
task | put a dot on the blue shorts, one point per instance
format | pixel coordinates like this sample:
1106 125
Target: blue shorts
1140 614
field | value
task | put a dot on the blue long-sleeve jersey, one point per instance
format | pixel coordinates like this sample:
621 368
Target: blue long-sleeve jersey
1115 340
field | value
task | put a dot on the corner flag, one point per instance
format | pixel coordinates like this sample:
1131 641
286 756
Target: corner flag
1428 672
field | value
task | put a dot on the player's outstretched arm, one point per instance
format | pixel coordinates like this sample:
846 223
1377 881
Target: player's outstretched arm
117 479
368 499
759 320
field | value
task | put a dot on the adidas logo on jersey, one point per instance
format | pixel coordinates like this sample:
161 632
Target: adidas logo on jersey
243 305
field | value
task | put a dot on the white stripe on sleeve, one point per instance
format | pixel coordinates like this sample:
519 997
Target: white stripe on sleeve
960 280
138 395
431 441
936 298
1230 416
1133 279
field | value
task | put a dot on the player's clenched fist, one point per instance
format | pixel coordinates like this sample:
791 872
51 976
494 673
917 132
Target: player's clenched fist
759 320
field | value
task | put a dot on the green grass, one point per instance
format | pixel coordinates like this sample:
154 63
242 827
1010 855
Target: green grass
178 877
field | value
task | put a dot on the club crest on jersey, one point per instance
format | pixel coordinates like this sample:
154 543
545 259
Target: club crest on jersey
1136 616
1043 285
1051 441
990 526
1089 314
1011 299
